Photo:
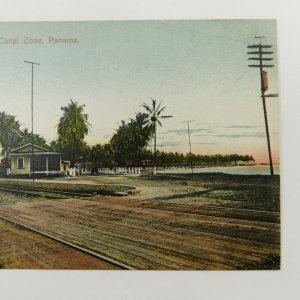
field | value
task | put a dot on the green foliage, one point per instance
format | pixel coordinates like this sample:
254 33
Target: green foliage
9 131
101 155
25 138
130 140
173 158
12 136
127 147
72 128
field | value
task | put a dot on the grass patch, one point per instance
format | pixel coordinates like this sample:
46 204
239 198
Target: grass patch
101 189
248 197
254 192
10 198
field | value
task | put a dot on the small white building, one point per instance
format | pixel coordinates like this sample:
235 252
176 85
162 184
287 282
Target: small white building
43 161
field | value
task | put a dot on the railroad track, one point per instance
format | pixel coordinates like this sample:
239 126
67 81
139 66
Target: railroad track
221 211
43 192
88 252
62 194
247 214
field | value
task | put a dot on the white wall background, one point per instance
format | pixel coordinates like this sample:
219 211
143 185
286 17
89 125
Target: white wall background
37 285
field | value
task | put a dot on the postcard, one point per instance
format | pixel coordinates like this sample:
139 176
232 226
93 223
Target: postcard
140 145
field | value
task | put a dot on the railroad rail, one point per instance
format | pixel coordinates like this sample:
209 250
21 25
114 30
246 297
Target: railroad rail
227 212
43 192
224 212
56 194
96 255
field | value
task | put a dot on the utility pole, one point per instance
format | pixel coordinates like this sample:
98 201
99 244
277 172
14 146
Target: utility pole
259 50
32 139
188 123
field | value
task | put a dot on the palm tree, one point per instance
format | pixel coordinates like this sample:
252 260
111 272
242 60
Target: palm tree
72 128
25 137
120 143
140 134
154 115
130 139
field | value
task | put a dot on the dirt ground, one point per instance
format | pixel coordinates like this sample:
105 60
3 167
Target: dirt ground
170 225
22 249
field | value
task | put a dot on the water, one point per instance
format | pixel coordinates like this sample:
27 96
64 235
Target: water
239 170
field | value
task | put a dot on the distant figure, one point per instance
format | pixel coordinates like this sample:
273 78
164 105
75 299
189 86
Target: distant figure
94 170
72 172
77 172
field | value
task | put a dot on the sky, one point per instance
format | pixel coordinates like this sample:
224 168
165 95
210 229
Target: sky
198 69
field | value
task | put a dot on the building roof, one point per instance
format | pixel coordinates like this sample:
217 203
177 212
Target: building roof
27 149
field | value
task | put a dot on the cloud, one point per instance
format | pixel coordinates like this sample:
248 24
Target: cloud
184 131
243 135
207 123
243 126
233 126
238 135
205 143
173 144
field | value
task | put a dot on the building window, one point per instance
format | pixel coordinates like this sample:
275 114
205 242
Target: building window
20 163
54 163
38 163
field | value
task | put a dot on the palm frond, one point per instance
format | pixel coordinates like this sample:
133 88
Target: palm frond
161 110
158 107
148 109
153 104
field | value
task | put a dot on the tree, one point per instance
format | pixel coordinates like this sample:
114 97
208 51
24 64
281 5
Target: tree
97 154
130 139
25 138
9 131
120 144
12 136
72 128
140 134
154 115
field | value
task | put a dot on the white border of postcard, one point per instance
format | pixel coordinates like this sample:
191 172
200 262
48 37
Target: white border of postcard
44 285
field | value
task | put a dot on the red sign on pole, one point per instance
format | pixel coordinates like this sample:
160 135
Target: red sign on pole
265 81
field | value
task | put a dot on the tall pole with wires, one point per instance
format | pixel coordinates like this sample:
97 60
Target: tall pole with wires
190 144
32 137
260 51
